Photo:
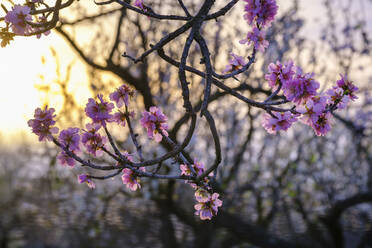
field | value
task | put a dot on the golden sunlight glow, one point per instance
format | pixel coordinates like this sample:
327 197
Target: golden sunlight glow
28 65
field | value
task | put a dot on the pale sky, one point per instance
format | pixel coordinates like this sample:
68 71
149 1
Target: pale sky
20 70
20 66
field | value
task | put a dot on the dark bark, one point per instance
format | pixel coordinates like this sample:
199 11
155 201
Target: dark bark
332 219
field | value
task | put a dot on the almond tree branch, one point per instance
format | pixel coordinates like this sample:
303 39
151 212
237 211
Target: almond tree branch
265 106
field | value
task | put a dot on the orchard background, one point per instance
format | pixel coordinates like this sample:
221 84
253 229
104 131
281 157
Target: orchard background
289 189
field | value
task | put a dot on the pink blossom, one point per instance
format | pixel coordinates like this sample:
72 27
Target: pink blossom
337 97
300 88
206 210
155 121
139 4
322 125
197 166
18 18
283 121
236 63
92 140
42 20
65 159
119 118
128 156
185 170
83 178
202 195
313 108
261 11
43 123
199 169
130 179
70 139
279 73
257 37
99 112
348 87
121 95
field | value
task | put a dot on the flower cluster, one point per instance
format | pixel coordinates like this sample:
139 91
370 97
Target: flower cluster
337 96
278 121
236 63
279 73
208 206
259 14
155 122
121 95
130 179
83 178
347 87
19 19
43 123
99 112
257 38
197 166
322 124
92 140
207 202
301 89
312 108
296 85
70 140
